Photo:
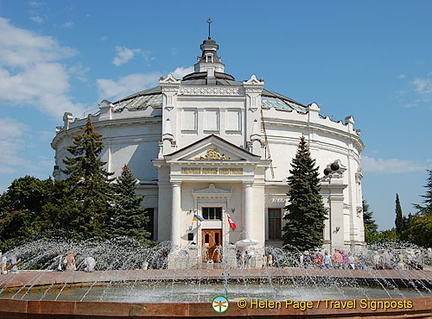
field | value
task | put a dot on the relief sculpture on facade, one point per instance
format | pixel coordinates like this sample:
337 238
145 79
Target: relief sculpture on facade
213 155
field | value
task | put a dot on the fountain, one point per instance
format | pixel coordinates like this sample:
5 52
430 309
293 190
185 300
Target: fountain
132 280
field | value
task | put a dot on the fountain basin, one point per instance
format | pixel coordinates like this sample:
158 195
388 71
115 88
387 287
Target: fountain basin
421 308
17 308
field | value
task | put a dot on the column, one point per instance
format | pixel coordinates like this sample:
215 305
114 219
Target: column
176 215
248 200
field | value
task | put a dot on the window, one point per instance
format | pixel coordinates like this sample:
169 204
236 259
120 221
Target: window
212 213
275 223
150 224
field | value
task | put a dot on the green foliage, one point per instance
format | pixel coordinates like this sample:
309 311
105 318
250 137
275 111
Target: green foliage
418 226
84 212
56 216
370 226
420 231
306 212
83 206
399 221
127 217
21 208
426 209
384 236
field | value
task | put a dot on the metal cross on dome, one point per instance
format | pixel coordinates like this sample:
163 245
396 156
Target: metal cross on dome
209 21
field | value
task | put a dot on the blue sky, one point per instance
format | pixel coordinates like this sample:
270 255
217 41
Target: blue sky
369 59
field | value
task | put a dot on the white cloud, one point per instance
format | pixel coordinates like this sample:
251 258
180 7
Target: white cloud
33 73
147 55
11 145
36 3
17 141
110 89
37 19
378 165
68 24
80 71
124 55
10 128
401 76
132 83
423 85
180 72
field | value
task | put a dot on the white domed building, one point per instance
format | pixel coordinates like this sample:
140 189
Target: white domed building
211 146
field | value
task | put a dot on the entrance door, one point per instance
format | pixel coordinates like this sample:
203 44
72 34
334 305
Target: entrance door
212 241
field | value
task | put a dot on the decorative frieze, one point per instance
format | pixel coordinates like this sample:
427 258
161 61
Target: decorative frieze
209 91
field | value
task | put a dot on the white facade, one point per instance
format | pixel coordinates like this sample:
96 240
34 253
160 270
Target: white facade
210 145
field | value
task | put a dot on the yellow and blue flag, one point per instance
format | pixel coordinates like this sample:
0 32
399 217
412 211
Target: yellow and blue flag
198 218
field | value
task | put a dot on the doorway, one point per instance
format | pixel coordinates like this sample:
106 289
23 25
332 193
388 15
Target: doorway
211 243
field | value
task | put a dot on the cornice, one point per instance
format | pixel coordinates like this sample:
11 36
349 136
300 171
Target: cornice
314 126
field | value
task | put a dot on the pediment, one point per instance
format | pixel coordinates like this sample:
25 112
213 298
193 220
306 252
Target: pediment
254 81
210 149
169 79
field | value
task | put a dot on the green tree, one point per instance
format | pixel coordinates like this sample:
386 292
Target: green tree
57 212
389 235
399 221
88 183
305 213
420 231
418 226
426 209
21 209
370 226
127 217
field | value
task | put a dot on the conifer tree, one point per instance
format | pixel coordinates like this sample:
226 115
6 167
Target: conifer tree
399 221
127 217
305 213
88 185
419 225
370 226
426 209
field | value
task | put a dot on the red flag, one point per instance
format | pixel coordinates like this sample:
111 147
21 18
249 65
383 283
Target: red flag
231 223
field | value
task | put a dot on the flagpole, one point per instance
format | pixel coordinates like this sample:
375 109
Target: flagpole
225 235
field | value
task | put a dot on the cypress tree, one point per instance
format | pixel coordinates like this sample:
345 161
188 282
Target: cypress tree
399 221
88 185
127 217
305 213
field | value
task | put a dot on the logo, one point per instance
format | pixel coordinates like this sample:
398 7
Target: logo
220 304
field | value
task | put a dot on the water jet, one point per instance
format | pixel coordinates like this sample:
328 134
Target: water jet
119 287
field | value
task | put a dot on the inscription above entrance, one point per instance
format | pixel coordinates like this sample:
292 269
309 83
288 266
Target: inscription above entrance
211 171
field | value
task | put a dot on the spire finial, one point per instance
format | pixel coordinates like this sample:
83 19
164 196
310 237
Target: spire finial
209 21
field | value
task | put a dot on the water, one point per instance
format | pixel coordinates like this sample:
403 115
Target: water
182 292
125 263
